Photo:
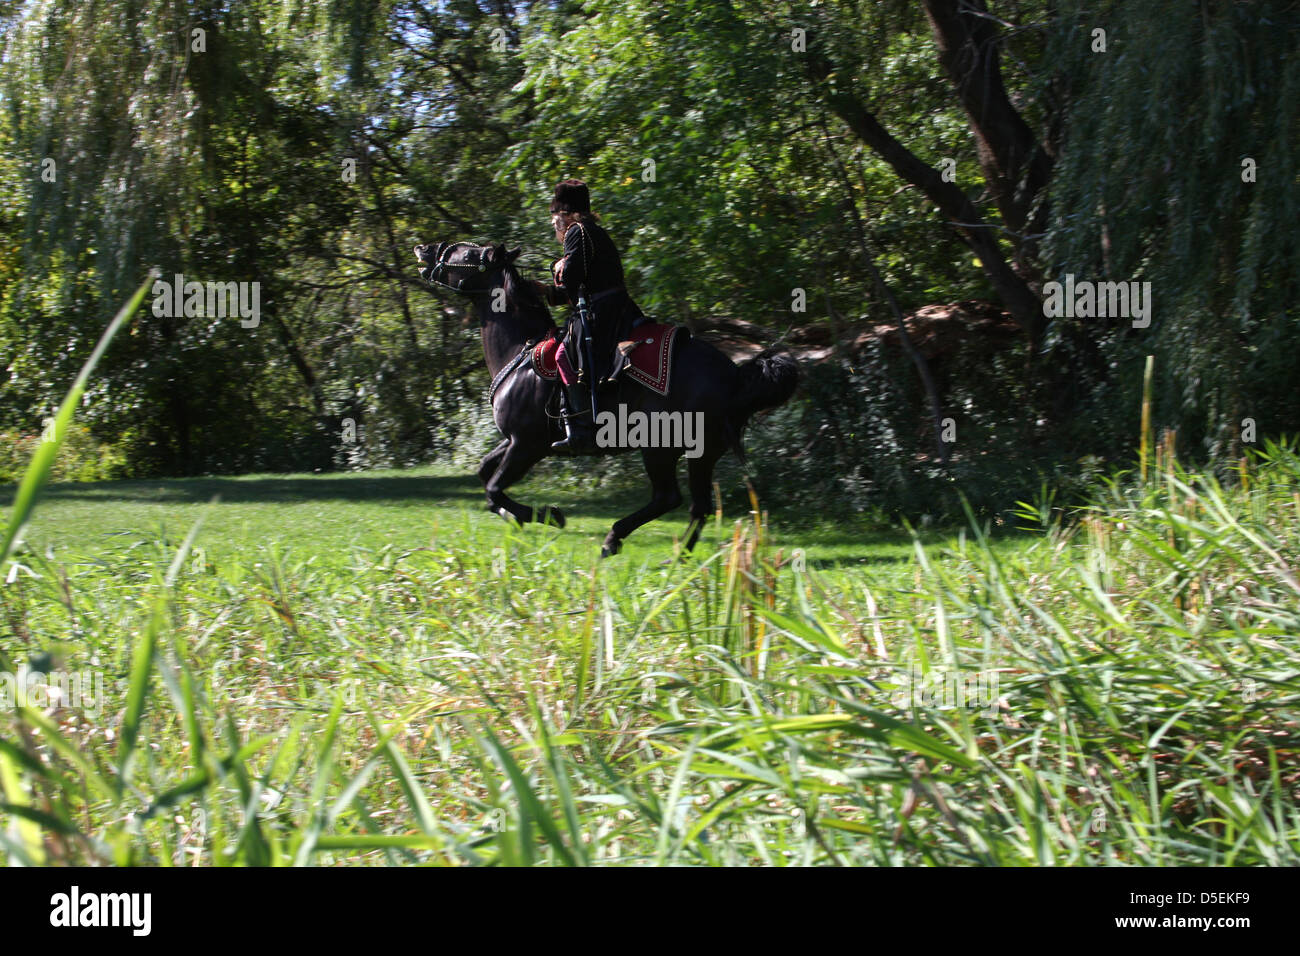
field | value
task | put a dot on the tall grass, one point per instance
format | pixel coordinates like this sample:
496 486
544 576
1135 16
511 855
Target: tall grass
1121 690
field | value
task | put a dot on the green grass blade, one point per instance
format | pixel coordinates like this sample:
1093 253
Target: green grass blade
42 464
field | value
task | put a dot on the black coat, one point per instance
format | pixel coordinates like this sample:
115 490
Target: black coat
592 260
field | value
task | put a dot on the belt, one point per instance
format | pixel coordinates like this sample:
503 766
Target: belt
605 293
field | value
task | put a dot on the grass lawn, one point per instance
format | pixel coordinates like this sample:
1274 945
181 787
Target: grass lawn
328 515
372 668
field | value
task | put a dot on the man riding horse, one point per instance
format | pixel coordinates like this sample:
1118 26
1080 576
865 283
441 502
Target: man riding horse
707 386
589 276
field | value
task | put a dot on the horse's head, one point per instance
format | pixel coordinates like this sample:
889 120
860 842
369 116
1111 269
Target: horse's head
464 267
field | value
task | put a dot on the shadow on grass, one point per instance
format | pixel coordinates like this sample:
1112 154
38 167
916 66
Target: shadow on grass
287 490
849 542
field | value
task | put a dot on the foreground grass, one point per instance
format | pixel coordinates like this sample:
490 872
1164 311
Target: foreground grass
330 673
371 669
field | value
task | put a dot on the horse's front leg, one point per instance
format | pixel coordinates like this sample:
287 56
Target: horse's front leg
514 461
488 467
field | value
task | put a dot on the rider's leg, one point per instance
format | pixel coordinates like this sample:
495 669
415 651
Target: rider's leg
619 330
579 422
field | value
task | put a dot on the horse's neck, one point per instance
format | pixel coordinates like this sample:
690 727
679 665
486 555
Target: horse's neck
504 336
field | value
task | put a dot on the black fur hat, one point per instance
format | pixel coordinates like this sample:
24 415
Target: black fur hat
571 195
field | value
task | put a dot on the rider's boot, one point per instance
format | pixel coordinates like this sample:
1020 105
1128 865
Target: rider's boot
579 427
621 363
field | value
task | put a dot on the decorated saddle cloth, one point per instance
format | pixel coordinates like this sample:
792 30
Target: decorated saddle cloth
649 353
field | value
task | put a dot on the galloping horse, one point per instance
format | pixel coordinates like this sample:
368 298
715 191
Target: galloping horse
514 319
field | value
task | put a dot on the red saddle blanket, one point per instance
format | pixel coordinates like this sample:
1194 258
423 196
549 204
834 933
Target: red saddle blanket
544 357
649 353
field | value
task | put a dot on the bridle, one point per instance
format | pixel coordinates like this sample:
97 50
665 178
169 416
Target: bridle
435 276
439 268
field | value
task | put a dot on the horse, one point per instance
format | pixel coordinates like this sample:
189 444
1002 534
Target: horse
514 317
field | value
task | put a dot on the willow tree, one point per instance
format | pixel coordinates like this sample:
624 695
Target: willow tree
1179 167
151 136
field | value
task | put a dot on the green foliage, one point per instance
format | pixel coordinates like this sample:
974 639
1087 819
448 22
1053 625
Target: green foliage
743 206
235 158
1108 692
83 458
309 677
229 163
41 466
1151 186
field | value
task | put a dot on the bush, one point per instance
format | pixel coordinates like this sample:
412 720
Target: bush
81 459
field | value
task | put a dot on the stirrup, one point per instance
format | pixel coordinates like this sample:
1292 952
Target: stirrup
579 436
621 364
577 441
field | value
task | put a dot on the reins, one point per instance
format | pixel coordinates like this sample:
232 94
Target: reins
514 363
435 278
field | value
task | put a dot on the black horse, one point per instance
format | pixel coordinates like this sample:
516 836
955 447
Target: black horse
514 317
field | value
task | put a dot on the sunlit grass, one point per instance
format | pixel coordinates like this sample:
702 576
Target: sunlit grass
372 669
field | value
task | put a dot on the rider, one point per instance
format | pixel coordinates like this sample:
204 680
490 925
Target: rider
590 266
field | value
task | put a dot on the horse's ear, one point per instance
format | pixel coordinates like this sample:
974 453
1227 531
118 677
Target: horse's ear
513 254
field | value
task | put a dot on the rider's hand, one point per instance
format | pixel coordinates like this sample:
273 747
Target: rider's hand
557 270
549 293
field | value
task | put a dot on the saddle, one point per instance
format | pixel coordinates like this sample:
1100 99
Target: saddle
649 357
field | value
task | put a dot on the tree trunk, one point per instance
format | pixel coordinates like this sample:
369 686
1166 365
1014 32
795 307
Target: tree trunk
887 295
1016 167
1015 293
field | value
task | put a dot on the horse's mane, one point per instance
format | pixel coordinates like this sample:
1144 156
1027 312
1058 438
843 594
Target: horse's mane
522 297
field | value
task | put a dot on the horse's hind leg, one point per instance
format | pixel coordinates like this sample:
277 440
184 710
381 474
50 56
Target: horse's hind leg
699 473
515 462
661 466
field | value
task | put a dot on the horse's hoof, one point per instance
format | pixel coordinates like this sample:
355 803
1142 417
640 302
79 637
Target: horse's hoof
506 515
552 515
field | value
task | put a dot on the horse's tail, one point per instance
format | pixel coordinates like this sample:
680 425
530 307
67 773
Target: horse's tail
766 381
